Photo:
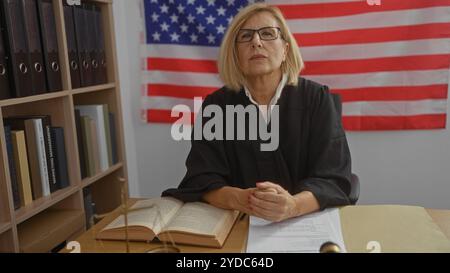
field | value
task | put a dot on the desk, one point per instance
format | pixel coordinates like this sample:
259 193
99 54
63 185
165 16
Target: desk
236 242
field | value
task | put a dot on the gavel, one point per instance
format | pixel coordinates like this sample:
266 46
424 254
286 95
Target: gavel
330 247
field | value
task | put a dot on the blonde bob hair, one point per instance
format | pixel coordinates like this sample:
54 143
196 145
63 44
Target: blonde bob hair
228 63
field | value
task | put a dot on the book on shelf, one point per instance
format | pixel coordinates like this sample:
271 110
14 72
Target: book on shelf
107 133
95 112
81 143
22 167
59 150
96 136
94 139
89 207
37 175
87 146
112 131
167 219
38 154
12 167
37 140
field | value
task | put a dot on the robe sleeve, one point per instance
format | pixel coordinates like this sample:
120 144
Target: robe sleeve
207 167
329 161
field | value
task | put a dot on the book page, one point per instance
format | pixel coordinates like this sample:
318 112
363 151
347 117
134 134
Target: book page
199 218
151 213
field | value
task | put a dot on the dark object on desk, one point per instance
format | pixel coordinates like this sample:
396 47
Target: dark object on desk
354 181
330 247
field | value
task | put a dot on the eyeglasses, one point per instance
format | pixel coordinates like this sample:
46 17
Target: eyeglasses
265 34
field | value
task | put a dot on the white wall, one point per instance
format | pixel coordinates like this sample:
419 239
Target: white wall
400 167
155 161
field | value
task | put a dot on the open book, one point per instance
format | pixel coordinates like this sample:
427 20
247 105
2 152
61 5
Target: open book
169 219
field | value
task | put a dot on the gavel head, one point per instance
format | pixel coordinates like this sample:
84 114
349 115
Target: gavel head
330 247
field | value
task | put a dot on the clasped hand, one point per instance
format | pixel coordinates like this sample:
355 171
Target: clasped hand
268 201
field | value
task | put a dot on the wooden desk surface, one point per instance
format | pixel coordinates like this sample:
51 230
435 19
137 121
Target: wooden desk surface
236 242
442 219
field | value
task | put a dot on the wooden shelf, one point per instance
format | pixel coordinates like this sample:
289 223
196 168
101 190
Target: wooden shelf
31 99
48 96
46 230
43 203
88 181
4 227
94 88
20 228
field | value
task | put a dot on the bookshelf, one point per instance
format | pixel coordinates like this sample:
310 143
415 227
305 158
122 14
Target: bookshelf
29 226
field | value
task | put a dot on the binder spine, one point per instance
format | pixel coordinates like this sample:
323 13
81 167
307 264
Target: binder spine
100 47
50 45
5 92
34 46
72 46
17 47
82 44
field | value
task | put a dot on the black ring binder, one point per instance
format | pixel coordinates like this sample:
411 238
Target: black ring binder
38 67
74 65
55 66
23 68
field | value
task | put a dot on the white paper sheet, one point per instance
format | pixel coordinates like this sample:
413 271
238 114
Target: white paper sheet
304 234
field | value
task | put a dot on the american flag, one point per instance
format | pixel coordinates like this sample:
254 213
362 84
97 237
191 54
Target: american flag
389 62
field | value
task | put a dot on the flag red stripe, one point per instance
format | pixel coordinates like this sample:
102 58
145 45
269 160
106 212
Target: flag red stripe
404 63
163 116
374 35
174 64
393 93
419 62
351 8
386 93
351 123
370 123
178 91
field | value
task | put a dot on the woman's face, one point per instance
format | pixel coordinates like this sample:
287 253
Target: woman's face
259 57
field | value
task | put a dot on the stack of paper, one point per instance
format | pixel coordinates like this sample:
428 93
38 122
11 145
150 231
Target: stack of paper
304 234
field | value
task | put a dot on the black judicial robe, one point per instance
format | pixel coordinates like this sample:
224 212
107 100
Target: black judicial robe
313 153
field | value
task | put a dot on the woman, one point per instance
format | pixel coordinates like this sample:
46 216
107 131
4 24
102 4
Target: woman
310 170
